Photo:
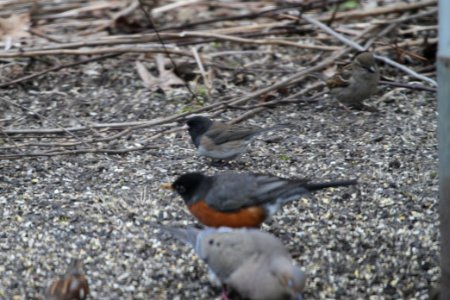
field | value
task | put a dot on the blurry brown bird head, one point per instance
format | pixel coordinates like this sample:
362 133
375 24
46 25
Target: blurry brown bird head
75 267
365 60
197 126
72 286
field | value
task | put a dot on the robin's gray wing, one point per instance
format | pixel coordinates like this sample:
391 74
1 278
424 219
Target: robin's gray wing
231 191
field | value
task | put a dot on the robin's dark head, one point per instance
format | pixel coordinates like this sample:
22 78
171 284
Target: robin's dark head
191 186
198 126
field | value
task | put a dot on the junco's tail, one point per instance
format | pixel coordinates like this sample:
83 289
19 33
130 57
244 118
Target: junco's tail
275 127
323 185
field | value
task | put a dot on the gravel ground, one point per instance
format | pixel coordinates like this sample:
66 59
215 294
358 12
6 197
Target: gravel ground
377 240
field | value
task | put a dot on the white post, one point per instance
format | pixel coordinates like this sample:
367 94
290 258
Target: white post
443 76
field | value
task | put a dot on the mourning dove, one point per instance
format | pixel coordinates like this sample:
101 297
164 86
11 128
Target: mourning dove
253 263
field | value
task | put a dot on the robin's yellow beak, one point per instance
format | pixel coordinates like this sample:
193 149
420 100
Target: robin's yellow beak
167 186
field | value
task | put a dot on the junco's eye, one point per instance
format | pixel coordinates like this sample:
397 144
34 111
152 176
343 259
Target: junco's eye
181 189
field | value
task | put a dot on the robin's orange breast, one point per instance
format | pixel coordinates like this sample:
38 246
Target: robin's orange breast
252 216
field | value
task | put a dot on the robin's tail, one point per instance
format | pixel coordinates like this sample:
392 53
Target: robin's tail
296 188
323 185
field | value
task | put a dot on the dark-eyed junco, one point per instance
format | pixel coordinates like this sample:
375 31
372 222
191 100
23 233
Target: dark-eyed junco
234 199
253 263
221 141
356 82
72 286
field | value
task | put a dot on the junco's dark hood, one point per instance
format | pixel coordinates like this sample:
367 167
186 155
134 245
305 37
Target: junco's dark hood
197 126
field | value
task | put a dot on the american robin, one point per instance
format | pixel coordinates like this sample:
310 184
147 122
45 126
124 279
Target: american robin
356 81
221 141
234 199
72 286
253 263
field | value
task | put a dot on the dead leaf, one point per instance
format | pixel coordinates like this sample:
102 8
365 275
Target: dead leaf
166 80
14 27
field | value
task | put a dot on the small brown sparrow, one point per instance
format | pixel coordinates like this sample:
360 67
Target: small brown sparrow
356 82
72 286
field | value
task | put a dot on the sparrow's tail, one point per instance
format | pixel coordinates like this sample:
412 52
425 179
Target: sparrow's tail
323 185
